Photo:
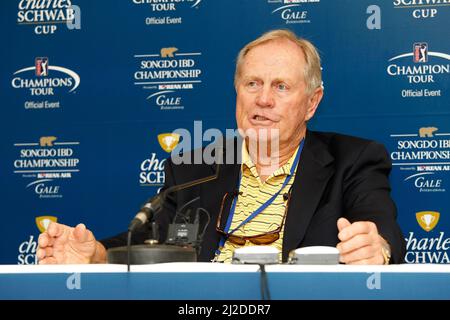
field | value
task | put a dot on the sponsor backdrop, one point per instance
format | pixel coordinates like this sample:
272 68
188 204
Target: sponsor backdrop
91 90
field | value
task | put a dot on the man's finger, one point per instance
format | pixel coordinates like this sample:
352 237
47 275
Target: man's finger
50 260
356 228
363 253
342 223
48 252
365 261
81 233
44 253
358 241
43 240
40 254
55 229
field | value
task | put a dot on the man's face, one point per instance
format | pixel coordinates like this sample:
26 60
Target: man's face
271 91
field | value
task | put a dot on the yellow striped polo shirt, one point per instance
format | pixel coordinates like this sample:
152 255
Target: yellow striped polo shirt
254 194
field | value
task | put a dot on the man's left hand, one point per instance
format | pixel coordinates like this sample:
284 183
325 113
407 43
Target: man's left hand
360 242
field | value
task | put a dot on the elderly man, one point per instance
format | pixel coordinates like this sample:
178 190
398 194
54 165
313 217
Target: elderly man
314 189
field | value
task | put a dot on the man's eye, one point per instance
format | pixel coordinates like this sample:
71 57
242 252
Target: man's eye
252 84
282 87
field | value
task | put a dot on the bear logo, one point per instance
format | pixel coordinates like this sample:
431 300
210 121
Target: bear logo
168 52
47 141
427 132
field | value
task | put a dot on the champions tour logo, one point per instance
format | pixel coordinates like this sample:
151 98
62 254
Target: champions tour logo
431 248
152 169
47 164
423 159
422 9
420 67
293 11
167 7
46 15
27 249
44 80
166 74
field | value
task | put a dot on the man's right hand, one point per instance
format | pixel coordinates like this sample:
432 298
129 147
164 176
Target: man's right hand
62 244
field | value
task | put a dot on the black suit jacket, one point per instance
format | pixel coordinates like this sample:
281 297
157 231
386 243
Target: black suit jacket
337 176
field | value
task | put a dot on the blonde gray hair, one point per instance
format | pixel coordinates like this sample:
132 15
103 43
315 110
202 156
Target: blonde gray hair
312 72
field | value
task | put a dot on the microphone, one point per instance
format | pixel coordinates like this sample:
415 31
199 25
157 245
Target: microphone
153 205
147 211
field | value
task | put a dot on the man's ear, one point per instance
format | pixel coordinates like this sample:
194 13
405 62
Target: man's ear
313 102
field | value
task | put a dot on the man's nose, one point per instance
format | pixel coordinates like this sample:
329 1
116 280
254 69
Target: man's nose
265 97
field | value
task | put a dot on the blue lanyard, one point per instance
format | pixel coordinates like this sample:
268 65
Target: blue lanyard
265 204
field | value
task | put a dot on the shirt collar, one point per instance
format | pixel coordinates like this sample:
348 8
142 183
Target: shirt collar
248 163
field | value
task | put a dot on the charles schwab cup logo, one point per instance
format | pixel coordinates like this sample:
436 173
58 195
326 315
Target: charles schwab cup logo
164 10
168 141
48 164
423 70
47 15
167 74
293 11
433 246
27 249
422 9
423 158
152 168
427 219
45 80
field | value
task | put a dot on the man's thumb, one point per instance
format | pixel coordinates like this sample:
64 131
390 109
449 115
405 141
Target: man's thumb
81 233
342 223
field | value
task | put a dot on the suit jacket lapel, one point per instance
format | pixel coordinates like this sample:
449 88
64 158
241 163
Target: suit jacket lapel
213 193
313 172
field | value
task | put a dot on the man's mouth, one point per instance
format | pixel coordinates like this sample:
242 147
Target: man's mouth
261 120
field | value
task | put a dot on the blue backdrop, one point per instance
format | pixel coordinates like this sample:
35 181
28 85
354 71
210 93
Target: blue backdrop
86 87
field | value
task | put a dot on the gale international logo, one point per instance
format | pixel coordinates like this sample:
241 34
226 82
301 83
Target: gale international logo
293 11
425 72
47 16
422 9
49 164
44 80
167 75
164 10
433 246
423 159
27 249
